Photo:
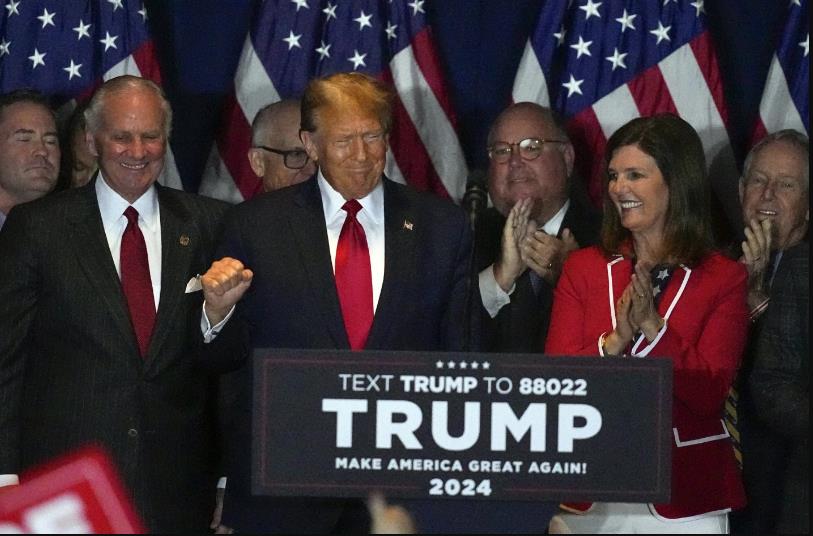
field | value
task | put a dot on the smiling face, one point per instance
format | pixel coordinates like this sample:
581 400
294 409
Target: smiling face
29 153
639 192
130 141
545 178
350 148
776 187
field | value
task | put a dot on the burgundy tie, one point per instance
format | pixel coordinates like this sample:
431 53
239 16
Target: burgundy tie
354 281
136 282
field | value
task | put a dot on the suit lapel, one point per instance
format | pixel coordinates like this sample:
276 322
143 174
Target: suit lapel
307 226
93 253
400 263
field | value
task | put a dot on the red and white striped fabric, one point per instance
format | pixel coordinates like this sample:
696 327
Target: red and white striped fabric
293 41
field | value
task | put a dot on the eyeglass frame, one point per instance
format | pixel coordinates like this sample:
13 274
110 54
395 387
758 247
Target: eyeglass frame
285 155
542 142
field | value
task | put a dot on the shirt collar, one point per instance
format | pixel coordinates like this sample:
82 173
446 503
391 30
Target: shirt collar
2 218
332 201
553 225
112 205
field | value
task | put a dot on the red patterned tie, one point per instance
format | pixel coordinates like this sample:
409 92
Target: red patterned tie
136 282
354 281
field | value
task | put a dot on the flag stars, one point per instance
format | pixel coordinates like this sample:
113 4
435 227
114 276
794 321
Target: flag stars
329 11
47 18
143 13
582 48
4 51
300 4
390 30
560 36
82 30
617 59
417 7
11 7
357 59
293 40
573 86
699 6
795 3
364 20
109 41
591 9
323 51
661 32
663 273
38 58
116 4
806 44
73 70
626 21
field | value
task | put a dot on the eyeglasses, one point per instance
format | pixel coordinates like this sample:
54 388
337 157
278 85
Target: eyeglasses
529 149
293 159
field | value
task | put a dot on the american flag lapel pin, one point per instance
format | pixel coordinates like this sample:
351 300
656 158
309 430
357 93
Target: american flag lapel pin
184 240
408 225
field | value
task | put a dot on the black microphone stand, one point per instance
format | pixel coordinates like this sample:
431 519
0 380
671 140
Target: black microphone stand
474 201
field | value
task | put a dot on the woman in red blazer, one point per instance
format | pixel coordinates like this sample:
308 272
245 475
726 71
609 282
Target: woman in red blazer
656 287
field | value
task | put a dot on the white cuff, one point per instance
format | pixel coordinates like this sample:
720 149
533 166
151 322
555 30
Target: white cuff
493 296
221 482
209 331
9 480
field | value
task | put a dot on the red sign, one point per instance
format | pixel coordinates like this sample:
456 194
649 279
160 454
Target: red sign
79 493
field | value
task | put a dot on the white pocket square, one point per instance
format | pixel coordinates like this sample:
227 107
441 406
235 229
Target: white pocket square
193 285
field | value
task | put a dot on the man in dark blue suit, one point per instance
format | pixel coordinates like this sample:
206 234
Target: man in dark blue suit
348 260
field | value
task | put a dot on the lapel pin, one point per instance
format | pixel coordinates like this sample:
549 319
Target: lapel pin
184 240
408 225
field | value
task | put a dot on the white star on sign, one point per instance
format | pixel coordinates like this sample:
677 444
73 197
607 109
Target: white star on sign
323 51
330 11
82 30
109 41
417 7
116 4
73 70
560 35
292 40
37 58
475 365
357 59
582 47
450 364
486 365
661 32
626 21
47 18
4 47
699 7
806 44
573 86
363 20
617 59
390 30
439 364
463 364
300 3
11 7
591 9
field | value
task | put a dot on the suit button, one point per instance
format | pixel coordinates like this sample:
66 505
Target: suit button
132 432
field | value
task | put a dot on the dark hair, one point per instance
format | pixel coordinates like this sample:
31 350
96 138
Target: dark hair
678 152
341 89
31 96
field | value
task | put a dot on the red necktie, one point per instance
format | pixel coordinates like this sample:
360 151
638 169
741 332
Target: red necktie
354 281
136 282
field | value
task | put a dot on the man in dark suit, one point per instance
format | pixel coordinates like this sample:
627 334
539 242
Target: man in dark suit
287 255
530 171
97 317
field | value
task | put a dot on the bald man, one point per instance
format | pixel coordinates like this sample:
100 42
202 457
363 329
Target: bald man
277 155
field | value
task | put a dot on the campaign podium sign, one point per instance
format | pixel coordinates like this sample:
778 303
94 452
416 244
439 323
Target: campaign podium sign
455 425
77 494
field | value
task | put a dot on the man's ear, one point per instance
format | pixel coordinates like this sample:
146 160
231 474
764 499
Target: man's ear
91 143
255 160
741 190
308 141
569 155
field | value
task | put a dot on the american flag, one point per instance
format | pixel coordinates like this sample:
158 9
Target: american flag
602 64
292 41
65 49
785 101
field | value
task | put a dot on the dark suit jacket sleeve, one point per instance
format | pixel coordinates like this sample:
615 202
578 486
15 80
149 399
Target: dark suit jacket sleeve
18 299
780 384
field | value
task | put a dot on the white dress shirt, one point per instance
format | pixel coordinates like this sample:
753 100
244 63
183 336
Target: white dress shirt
492 295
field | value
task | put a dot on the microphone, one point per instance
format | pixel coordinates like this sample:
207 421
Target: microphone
476 197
